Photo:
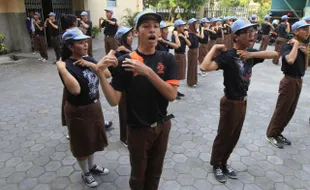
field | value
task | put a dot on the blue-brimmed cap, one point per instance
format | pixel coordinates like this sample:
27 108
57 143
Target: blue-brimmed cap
38 14
74 34
52 14
191 21
162 25
147 12
267 17
299 24
240 24
122 31
234 18
204 20
214 20
84 13
254 17
284 17
307 18
179 22
109 10
226 19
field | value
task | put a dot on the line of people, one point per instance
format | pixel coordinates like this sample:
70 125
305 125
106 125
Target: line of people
145 80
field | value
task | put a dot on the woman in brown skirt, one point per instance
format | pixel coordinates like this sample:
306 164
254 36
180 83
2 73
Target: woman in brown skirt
219 32
180 52
82 109
204 37
228 40
192 54
212 33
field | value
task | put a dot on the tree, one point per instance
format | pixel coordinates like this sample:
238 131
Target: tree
148 3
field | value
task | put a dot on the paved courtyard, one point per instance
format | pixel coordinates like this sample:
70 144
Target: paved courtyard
34 153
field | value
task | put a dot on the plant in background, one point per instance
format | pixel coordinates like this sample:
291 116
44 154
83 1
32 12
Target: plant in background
130 18
3 49
95 31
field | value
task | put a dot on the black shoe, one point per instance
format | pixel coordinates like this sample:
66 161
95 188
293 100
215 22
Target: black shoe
108 124
178 97
229 172
275 141
180 94
284 140
219 175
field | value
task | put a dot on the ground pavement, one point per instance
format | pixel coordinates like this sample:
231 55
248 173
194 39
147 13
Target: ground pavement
34 153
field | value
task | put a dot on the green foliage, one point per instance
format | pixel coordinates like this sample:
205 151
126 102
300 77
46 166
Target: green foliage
147 3
263 10
234 3
130 18
95 31
3 49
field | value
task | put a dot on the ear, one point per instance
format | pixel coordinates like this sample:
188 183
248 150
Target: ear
70 47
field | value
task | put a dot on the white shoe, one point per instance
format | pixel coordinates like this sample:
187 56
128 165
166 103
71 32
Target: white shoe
40 59
204 74
34 52
43 60
89 180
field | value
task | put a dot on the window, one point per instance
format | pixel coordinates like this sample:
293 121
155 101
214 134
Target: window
111 3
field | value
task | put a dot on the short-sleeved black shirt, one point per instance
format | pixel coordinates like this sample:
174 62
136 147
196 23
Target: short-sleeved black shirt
213 36
145 104
266 29
37 31
51 30
163 46
281 29
88 30
193 38
88 80
110 29
256 25
298 67
206 37
227 29
219 33
237 72
181 49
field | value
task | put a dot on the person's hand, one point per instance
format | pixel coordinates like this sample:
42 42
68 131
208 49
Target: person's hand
293 41
107 61
136 67
78 19
303 49
83 63
60 65
220 47
244 54
160 39
123 48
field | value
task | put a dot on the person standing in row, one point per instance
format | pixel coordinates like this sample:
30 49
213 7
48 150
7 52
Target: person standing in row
83 110
293 67
228 39
39 37
192 54
237 64
148 123
219 32
266 27
86 26
179 53
30 28
163 43
110 28
53 30
212 33
283 29
256 26
203 40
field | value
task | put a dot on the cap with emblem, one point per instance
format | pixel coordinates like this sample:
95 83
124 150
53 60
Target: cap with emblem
84 13
163 25
191 21
52 14
74 34
109 10
145 13
284 17
122 31
240 24
299 24
179 22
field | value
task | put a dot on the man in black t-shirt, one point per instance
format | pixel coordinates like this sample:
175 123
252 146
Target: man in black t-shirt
86 26
237 64
53 31
39 36
163 43
148 77
266 27
283 29
110 28
293 67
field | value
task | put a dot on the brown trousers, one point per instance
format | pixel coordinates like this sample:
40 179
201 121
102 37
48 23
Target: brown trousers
90 47
110 43
232 115
55 41
181 66
122 113
40 44
264 44
63 102
147 149
278 48
192 56
289 92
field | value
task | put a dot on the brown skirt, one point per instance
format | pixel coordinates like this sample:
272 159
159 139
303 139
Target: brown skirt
192 56
219 41
64 99
225 41
230 41
181 66
210 44
86 129
203 50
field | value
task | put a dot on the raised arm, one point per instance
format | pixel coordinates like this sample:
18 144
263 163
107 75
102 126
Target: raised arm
291 57
207 63
70 82
267 54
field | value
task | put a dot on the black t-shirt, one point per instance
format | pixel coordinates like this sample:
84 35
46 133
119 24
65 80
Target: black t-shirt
51 30
163 46
206 37
256 25
88 81
88 30
181 49
37 31
237 72
219 33
117 54
298 67
193 38
110 29
213 36
281 29
145 104
266 29
227 29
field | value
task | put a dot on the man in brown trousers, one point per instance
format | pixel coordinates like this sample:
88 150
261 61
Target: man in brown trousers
110 28
283 29
237 64
149 78
293 67
266 27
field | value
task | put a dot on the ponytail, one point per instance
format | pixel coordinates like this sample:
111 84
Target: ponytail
67 21
65 51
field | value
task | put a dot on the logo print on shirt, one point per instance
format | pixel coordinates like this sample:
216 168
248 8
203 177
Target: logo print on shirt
160 68
93 83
